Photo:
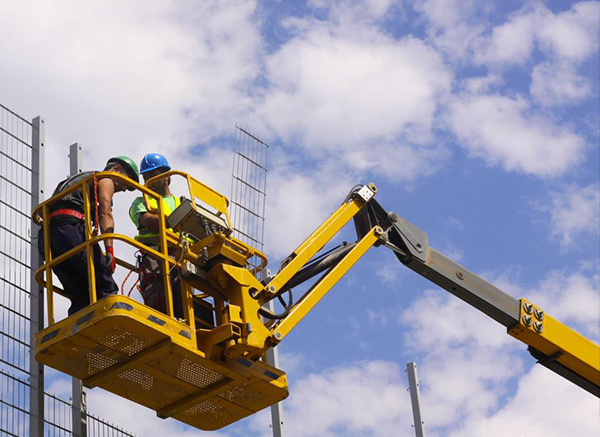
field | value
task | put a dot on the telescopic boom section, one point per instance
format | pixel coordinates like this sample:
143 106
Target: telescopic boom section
555 345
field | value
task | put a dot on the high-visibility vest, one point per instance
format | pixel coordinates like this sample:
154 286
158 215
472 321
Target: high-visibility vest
145 235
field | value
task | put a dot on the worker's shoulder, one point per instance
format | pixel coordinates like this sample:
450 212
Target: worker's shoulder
138 203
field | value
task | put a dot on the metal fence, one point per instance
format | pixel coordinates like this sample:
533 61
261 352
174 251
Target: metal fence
18 189
248 188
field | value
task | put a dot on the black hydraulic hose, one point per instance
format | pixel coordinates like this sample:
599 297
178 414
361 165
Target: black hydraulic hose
308 272
326 261
269 315
351 192
315 268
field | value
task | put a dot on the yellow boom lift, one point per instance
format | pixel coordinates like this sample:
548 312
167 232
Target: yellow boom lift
209 369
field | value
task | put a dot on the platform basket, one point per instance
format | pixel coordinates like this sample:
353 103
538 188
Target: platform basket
140 354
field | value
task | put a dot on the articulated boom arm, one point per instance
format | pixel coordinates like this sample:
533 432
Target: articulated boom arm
553 344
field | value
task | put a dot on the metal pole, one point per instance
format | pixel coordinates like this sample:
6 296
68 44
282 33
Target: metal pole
75 159
78 392
36 370
415 398
277 409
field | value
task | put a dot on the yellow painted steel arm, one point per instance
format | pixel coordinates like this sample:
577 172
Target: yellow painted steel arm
557 342
320 289
317 240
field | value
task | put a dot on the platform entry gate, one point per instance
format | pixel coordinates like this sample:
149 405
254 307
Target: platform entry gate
26 410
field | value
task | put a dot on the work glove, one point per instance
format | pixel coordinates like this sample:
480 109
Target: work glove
110 259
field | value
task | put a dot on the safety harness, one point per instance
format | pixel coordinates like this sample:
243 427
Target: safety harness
77 214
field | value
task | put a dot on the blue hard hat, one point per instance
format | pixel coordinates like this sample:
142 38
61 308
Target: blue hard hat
152 161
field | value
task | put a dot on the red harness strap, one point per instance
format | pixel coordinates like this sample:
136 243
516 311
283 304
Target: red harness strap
70 212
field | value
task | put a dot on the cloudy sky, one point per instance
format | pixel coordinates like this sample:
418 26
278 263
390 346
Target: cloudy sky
477 120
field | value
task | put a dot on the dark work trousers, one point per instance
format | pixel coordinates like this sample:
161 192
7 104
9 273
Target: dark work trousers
153 288
73 272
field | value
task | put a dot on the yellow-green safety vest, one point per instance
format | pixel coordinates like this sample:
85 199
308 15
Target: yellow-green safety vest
145 235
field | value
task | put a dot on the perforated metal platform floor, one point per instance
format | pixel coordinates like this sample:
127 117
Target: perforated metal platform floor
140 354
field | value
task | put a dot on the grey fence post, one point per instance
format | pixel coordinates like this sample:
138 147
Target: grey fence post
36 370
277 409
78 392
415 398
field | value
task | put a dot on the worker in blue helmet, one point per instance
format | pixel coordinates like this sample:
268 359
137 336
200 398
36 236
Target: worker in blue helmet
144 214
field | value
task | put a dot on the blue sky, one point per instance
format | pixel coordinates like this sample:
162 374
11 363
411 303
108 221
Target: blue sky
477 120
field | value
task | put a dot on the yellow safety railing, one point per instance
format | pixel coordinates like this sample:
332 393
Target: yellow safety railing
41 215
214 199
199 191
168 239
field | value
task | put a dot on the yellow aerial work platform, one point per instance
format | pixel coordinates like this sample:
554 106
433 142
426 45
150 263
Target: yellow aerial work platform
179 368
140 354
209 368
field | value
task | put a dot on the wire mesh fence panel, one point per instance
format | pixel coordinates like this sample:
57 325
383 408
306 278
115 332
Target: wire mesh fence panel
100 428
14 405
16 164
248 189
15 246
57 417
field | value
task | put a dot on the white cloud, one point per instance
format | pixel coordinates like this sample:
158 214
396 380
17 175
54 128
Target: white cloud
352 10
139 420
574 211
566 39
366 399
545 404
573 298
355 95
293 362
505 129
566 36
451 26
116 79
554 84
468 358
482 84
389 270
455 323
563 39
299 200
502 131
469 363
572 34
511 42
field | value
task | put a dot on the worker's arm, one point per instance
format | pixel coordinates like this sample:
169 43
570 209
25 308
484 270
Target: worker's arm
150 221
106 189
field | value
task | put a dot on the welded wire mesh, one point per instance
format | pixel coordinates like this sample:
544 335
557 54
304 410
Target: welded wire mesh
15 204
15 275
100 428
249 188
58 421
14 406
